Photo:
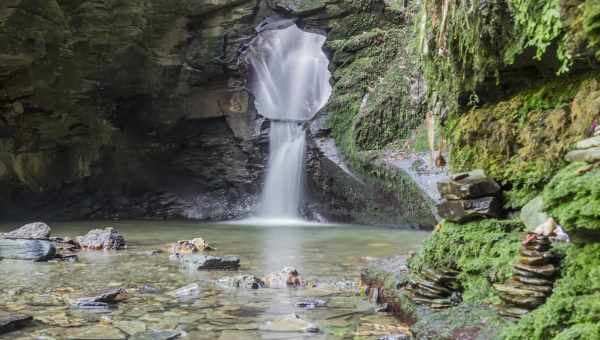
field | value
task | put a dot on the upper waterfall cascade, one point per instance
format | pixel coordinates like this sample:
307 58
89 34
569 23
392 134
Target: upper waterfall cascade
290 82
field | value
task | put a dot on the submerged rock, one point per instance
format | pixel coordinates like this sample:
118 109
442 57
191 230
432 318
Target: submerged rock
156 335
29 250
10 322
290 323
186 291
240 281
205 262
100 332
36 230
311 304
104 300
102 239
286 277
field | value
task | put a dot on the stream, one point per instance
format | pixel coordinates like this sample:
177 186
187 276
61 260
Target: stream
330 256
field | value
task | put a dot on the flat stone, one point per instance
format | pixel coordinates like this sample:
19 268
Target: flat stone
536 247
95 333
35 230
311 304
533 280
290 323
532 214
465 210
546 270
469 185
524 302
588 143
130 327
186 291
156 335
588 155
512 290
205 262
433 287
28 250
537 288
436 277
535 261
10 322
110 297
102 239
535 253
515 312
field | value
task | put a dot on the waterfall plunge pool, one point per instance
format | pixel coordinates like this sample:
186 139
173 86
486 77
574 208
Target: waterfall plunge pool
330 255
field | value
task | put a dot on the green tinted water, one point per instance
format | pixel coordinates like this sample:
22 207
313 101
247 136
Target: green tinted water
330 255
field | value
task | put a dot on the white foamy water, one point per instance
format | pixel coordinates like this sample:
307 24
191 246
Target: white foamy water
290 83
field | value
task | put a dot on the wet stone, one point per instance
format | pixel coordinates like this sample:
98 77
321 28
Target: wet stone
27 250
240 281
95 333
156 335
469 185
290 323
513 290
187 291
104 300
514 312
102 239
36 230
10 322
311 304
465 210
524 302
286 277
533 280
131 327
204 262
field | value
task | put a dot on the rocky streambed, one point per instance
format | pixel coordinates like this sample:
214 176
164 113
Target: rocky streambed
144 292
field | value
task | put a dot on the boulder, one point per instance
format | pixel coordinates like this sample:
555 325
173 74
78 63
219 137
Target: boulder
587 155
205 262
588 143
10 322
532 214
240 281
465 210
98 239
31 250
286 277
35 230
468 185
186 247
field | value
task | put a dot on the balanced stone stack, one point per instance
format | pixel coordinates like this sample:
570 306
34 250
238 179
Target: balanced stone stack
468 196
435 288
533 277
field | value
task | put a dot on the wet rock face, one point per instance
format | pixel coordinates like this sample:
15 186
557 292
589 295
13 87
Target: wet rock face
126 109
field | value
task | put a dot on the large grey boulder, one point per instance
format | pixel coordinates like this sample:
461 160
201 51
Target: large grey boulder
465 210
35 230
468 185
204 262
29 250
98 239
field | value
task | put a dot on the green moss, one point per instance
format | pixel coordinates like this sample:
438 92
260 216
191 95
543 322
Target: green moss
521 141
483 251
574 200
573 310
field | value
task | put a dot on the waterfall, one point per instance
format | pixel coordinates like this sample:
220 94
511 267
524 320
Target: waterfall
290 82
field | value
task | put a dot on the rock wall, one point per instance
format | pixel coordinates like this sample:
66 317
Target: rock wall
124 109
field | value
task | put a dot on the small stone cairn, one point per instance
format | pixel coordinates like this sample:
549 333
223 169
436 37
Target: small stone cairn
435 288
534 274
468 196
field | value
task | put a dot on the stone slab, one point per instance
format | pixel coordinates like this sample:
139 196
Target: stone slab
28 250
468 185
465 210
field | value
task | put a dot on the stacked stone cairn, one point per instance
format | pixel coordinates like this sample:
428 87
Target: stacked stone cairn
587 150
435 288
533 275
469 196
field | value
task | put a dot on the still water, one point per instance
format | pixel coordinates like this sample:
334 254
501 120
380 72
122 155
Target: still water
332 256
